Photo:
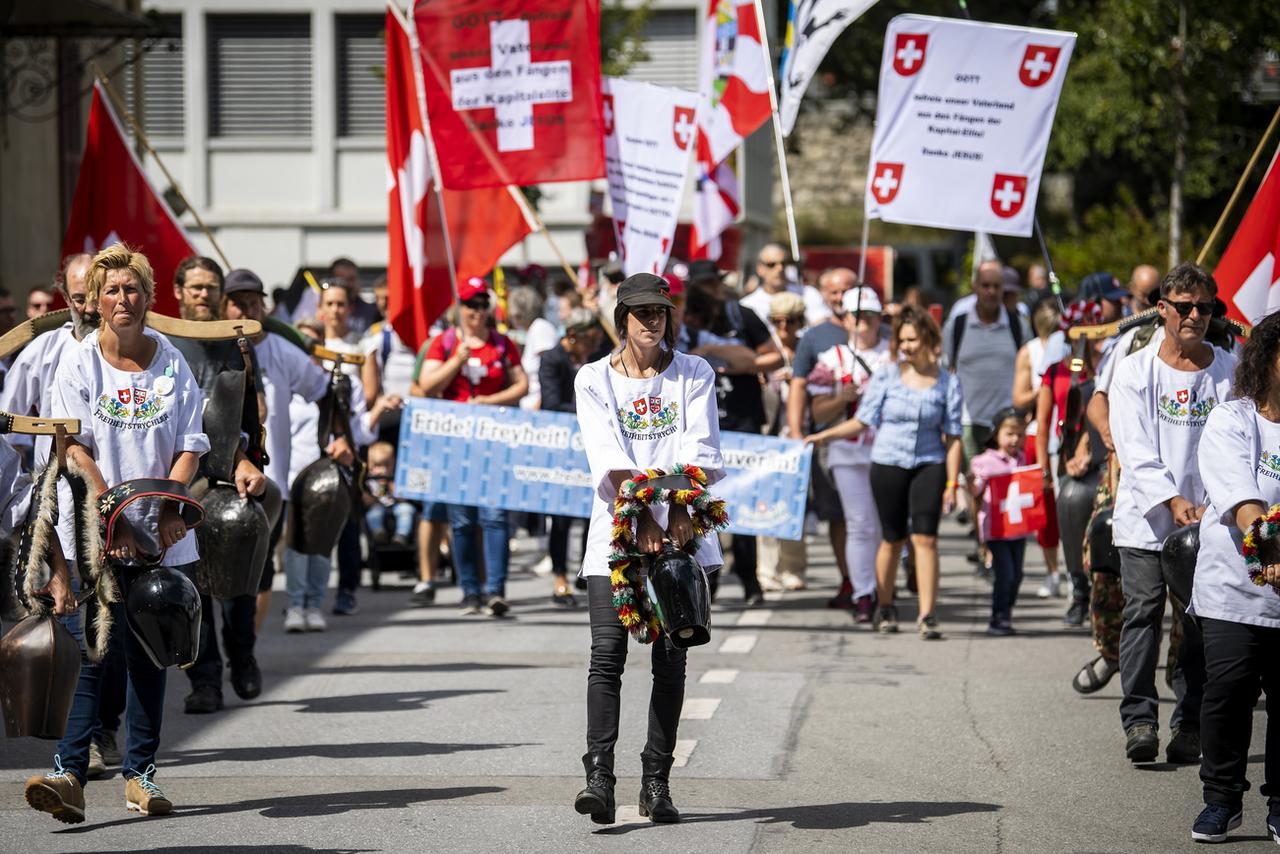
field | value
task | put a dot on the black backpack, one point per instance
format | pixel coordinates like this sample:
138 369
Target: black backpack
958 327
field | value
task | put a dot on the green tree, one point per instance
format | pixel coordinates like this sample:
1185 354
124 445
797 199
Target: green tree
622 36
1158 100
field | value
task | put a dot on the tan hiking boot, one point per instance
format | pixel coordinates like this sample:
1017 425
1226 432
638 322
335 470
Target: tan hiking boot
57 793
141 794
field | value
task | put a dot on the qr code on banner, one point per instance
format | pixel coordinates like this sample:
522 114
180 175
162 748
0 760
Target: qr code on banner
417 480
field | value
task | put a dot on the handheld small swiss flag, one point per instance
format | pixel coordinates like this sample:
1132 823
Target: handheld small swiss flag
114 202
1017 503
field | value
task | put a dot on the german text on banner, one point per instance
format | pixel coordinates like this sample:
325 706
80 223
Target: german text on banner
962 123
1017 503
513 90
114 201
812 27
1249 273
649 140
532 460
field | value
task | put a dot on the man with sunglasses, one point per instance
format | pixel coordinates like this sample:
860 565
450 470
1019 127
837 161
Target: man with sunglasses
1160 399
771 275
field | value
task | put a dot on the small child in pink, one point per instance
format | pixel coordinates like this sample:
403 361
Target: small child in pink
1005 455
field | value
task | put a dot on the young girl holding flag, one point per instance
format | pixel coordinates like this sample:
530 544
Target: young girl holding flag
1007 553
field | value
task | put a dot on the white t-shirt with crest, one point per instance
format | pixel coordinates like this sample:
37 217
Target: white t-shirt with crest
632 424
133 423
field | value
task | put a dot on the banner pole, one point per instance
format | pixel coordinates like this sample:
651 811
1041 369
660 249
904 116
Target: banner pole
1235 195
419 86
1054 285
862 254
777 135
118 104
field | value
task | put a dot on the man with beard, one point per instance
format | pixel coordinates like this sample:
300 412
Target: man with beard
198 285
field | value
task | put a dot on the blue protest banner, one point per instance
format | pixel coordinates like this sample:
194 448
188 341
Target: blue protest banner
493 456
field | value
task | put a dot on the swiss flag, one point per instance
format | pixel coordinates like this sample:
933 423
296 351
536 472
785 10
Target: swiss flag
114 202
1248 275
513 90
1017 503
1038 64
481 224
887 180
1008 192
908 52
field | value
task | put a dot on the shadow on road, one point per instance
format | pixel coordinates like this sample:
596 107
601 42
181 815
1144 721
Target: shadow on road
439 667
371 749
833 816
306 806
396 701
246 849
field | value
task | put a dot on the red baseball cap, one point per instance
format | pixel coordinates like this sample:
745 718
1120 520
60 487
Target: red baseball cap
472 288
674 283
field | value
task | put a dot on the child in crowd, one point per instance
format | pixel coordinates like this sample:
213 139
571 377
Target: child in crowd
380 497
1004 454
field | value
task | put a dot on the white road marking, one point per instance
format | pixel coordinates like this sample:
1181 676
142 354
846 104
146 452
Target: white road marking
754 618
699 708
719 677
739 644
683 752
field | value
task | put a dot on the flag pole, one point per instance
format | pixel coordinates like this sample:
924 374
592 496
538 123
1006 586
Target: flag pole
419 86
1235 195
118 104
777 135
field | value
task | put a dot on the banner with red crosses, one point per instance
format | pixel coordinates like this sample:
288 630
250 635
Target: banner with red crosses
963 122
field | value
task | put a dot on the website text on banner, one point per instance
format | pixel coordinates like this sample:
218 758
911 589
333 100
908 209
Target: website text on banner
530 460
968 107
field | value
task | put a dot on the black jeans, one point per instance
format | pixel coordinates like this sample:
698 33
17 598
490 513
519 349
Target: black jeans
1239 659
349 556
1144 600
558 543
609 642
238 636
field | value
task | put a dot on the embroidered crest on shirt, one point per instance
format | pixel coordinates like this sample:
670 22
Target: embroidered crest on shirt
1186 407
1269 464
131 409
648 418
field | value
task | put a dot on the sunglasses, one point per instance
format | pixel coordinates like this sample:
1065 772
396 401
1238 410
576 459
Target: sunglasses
477 304
788 320
1184 308
772 263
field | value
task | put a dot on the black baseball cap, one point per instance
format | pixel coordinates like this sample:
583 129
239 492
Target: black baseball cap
643 289
242 281
703 270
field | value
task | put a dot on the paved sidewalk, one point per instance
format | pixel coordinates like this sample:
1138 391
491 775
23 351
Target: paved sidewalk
420 729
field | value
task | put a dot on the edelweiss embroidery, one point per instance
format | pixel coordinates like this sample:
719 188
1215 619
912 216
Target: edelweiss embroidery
648 418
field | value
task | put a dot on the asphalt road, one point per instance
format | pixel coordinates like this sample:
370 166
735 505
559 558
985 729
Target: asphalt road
419 729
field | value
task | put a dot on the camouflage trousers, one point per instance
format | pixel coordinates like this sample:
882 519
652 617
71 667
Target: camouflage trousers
1106 594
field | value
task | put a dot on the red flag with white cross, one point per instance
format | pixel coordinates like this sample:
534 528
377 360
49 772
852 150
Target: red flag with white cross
513 90
1248 274
1017 503
114 202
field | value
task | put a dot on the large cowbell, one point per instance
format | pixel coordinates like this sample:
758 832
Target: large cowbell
1178 561
234 539
163 611
39 669
319 505
1103 554
681 597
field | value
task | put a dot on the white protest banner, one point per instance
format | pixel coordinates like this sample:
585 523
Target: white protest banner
962 123
811 29
649 136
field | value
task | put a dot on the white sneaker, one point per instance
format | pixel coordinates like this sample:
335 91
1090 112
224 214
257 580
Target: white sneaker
294 621
543 567
1050 588
315 620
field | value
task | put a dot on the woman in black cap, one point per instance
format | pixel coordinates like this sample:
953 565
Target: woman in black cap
644 406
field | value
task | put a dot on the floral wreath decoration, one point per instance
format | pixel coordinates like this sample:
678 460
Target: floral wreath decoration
707 514
1265 529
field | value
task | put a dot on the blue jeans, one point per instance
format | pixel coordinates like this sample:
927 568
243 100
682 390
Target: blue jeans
1006 569
305 579
144 696
492 522
403 511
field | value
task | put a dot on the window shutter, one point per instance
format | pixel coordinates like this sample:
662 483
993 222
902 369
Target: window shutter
361 70
259 75
163 100
670 39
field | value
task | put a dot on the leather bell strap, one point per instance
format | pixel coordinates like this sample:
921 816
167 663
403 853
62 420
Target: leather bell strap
112 503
